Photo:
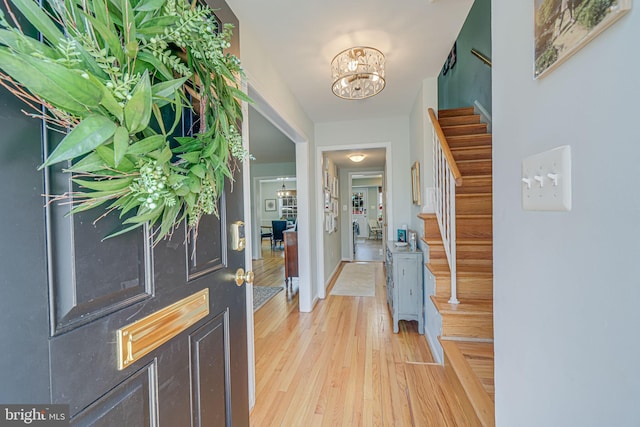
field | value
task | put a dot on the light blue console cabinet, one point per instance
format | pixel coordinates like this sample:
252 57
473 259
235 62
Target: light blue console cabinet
404 285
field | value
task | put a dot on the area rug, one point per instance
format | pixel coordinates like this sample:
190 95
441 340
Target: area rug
262 294
356 280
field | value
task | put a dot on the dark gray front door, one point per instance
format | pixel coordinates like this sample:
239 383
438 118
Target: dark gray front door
64 293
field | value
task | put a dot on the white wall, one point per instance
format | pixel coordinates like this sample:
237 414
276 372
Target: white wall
331 240
389 130
275 101
567 285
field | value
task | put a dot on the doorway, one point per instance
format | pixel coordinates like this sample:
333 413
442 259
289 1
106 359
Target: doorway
367 215
376 160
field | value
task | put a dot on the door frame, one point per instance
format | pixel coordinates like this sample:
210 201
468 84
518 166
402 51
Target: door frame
384 209
387 184
301 141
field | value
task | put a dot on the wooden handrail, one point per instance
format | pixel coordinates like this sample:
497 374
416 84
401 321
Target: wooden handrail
457 176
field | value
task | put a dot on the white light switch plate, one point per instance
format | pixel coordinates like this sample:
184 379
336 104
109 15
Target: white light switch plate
546 180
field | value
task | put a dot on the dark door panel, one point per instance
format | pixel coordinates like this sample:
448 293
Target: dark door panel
65 292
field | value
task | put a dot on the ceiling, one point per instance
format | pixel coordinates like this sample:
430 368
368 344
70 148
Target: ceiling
375 158
302 36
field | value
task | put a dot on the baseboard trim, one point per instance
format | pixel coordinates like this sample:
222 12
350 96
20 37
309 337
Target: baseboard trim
485 117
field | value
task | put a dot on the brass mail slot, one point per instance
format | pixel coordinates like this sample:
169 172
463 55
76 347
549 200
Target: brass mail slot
145 335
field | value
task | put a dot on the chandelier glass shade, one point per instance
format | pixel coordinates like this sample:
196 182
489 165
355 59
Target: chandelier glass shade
358 73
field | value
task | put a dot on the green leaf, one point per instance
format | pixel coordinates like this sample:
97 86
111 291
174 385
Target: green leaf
90 163
90 133
168 220
128 22
194 183
109 36
120 144
237 93
182 191
105 185
39 19
155 63
157 25
149 5
107 154
58 85
151 216
101 12
190 199
167 90
122 231
198 170
137 111
86 205
147 145
25 44
165 155
193 157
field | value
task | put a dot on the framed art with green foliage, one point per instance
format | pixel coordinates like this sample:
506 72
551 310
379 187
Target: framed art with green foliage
115 78
562 27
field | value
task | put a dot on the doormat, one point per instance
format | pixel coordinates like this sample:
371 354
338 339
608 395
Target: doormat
356 280
262 294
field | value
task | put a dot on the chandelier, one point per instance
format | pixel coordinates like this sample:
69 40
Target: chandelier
357 73
283 193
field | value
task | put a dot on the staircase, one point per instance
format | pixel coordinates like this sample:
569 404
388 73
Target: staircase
467 327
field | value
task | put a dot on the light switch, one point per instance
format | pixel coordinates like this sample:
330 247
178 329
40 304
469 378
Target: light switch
546 180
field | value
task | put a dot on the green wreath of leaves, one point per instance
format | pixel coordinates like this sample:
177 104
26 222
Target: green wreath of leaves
117 78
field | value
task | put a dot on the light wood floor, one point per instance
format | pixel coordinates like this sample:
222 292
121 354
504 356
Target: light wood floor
342 365
368 250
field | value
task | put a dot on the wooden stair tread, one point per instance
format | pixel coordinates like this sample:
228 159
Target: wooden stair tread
452 112
469 129
471 147
469 140
474 216
461 363
472 195
467 306
480 271
464 119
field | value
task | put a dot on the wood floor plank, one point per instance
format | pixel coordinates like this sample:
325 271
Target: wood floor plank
342 365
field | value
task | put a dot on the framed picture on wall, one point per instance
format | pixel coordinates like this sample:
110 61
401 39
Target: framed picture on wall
562 27
270 205
415 183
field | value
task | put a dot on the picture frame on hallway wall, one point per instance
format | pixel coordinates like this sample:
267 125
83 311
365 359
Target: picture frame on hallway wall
562 27
415 183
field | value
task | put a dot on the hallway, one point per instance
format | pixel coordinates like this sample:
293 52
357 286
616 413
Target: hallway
342 365
368 250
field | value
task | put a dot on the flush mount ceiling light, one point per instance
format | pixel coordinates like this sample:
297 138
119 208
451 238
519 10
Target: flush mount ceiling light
357 158
357 73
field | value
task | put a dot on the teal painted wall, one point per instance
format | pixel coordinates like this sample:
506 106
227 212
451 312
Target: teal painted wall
470 79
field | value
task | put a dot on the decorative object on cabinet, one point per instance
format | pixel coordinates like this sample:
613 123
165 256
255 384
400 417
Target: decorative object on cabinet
404 285
290 258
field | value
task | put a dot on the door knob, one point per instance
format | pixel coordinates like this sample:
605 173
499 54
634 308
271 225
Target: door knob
242 277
